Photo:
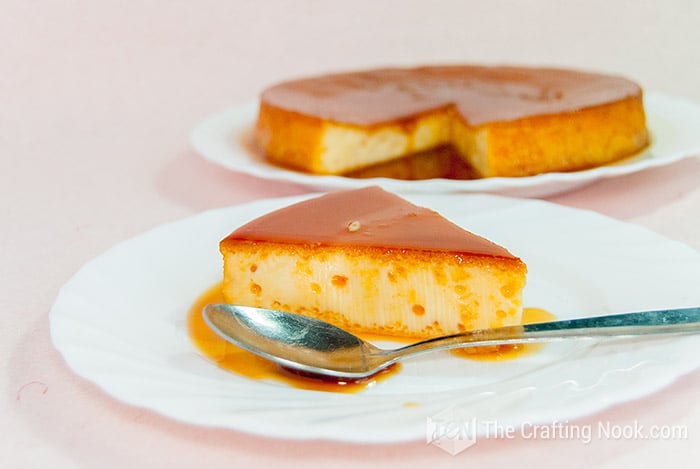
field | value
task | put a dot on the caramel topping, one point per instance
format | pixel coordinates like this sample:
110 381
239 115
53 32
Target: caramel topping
480 94
382 220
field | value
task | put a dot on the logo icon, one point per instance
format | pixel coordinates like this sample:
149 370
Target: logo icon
450 431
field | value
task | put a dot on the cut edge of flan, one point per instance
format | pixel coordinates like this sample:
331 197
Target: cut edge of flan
315 145
386 281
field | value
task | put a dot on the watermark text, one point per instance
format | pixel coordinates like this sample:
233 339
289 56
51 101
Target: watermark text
454 433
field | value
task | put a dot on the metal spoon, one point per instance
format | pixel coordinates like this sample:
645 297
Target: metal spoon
315 346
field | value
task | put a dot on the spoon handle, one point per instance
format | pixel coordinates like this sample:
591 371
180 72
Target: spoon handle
669 321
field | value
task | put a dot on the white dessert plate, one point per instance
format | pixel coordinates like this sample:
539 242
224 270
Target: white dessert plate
120 323
673 124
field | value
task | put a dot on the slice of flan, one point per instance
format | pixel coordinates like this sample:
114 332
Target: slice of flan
370 261
502 120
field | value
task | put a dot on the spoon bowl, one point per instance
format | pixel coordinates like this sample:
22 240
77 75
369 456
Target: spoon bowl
311 345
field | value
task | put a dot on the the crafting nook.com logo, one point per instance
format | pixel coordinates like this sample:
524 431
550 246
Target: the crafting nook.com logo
453 431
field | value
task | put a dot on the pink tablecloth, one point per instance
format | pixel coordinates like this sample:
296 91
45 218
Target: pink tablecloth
96 103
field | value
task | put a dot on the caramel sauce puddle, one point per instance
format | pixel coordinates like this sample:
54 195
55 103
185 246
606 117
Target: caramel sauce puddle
249 365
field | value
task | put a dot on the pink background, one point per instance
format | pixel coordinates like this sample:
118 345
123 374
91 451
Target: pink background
96 103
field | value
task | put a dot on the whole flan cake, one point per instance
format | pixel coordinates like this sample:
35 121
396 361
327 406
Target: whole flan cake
502 120
370 261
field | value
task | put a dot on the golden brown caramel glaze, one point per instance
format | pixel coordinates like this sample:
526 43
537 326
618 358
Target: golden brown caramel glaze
369 217
480 94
